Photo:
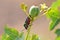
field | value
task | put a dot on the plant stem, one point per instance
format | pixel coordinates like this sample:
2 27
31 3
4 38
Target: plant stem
27 14
28 30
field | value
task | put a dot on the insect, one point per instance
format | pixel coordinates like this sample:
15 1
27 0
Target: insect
27 22
33 12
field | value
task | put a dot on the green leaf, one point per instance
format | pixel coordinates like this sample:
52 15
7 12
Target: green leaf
54 15
9 38
35 37
58 38
4 36
53 24
21 36
55 4
24 7
57 32
13 33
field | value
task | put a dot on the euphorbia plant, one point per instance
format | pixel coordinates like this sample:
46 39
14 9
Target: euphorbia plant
52 12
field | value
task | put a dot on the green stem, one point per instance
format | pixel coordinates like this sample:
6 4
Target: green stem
28 30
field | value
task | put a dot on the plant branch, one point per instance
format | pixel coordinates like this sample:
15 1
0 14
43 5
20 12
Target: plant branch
27 14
